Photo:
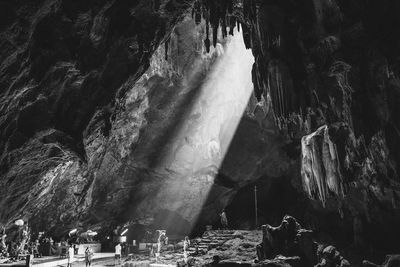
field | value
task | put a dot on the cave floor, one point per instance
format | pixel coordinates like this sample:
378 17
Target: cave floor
49 261
237 246
231 246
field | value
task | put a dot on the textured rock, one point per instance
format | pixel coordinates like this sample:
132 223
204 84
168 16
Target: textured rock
62 63
139 159
75 109
391 260
169 167
334 63
293 242
320 167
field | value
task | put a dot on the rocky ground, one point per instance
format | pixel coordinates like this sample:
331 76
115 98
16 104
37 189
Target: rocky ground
229 245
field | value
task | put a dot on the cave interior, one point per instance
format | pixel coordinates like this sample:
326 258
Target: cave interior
161 114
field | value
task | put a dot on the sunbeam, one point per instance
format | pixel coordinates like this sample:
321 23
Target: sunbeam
199 146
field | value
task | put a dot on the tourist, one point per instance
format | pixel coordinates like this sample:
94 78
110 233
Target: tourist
70 256
224 220
186 244
3 242
117 253
162 238
76 248
88 256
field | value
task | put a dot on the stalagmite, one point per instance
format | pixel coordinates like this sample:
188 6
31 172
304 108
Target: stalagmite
320 169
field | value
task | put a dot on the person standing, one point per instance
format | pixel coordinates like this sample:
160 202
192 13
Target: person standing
224 220
162 239
117 254
76 248
88 256
70 256
186 244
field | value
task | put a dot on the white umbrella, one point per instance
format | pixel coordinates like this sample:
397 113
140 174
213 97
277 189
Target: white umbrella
91 233
19 222
73 231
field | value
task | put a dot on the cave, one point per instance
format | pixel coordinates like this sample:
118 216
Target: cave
138 116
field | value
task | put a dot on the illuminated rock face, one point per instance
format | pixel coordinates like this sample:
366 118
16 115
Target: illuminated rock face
155 155
169 144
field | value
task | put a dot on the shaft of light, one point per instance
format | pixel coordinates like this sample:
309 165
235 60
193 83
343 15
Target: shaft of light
197 150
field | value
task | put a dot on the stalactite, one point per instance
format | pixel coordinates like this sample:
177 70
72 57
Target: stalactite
339 70
246 36
217 14
320 168
197 12
156 5
246 9
166 44
232 23
256 82
215 35
207 43
278 92
223 28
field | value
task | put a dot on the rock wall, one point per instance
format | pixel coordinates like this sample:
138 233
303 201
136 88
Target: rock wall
332 63
63 63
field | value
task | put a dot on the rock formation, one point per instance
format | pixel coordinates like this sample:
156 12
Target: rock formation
289 244
63 67
320 169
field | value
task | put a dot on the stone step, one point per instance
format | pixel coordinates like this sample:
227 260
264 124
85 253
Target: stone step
211 244
219 236
199 249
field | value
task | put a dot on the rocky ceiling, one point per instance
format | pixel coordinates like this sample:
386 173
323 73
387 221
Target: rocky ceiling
89 99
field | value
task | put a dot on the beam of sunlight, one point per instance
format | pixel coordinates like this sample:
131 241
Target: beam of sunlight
199 146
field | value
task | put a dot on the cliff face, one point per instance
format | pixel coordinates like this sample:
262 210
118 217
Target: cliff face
63 62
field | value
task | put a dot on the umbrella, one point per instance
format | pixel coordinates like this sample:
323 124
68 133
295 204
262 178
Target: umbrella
91 233
73 231
19 222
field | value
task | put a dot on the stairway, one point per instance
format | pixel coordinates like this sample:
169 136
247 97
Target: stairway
213 239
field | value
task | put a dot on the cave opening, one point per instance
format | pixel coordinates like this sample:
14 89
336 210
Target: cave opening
196 146
139 116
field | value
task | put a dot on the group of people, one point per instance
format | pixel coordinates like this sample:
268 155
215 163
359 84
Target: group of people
88 256
24 246
18 245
